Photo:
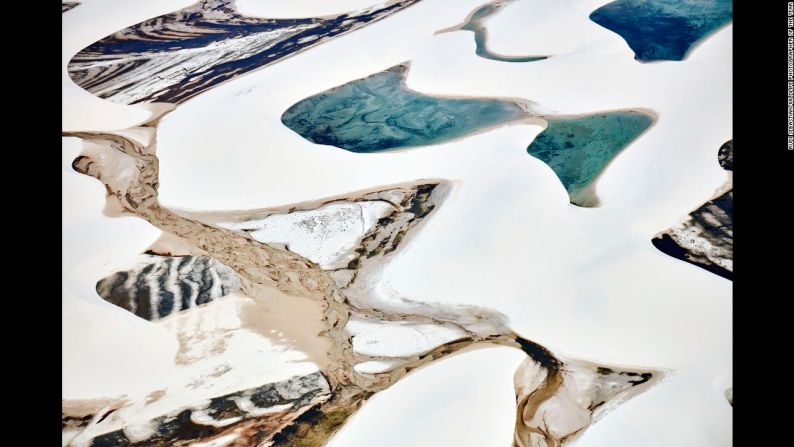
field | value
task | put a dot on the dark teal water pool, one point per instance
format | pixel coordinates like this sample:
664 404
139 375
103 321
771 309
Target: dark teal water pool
379 113
663 29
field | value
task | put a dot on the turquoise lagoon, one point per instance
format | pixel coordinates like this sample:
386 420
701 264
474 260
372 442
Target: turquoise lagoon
579 148
663 29
379 113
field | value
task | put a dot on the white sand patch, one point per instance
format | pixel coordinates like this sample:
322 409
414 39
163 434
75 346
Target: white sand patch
375 366
467 399
398 339
326 235
222 441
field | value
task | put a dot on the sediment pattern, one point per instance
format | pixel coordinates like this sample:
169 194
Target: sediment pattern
176 56
555 405
663 30
705 237
163 285
348 300
380 113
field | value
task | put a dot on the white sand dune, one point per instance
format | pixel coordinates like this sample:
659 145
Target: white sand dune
582 282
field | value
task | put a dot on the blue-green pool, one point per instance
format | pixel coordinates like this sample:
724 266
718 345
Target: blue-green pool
579 148
663 29
379 113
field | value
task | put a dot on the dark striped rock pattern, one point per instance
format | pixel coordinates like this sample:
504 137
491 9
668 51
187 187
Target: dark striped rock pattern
65 6
163 285
705 237
253 415
176 56
70 422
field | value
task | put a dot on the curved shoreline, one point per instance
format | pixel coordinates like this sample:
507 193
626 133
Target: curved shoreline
475 22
